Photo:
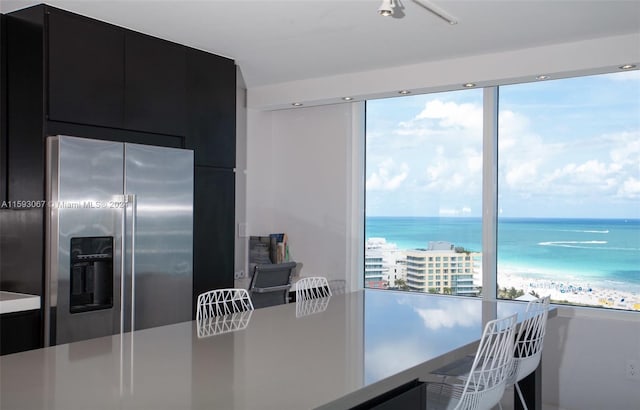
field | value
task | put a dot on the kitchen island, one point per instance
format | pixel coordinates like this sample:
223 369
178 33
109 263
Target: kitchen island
329 355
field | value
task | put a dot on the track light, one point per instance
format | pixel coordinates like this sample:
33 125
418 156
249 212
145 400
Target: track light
437 11
386 8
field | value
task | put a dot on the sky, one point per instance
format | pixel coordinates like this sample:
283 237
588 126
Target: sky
566 148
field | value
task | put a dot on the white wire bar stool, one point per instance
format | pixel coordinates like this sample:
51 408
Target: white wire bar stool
485 384
221 302
312 287
529 343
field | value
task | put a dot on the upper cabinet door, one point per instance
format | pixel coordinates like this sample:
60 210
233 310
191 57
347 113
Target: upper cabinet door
86 71
3 108
211 93
155 91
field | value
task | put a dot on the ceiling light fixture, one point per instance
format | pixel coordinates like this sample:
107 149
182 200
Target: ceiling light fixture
347 98
437 11
627 66
404 92
297 104
469 85
386 8
543 77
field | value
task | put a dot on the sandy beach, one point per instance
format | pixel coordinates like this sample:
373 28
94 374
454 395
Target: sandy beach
575 293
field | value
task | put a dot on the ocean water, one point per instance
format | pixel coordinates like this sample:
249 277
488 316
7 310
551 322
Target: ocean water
597 252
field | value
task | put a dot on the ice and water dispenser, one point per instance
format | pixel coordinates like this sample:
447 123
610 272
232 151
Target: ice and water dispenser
91 276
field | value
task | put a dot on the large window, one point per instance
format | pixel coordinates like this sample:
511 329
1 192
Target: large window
424 193
569 183
568 191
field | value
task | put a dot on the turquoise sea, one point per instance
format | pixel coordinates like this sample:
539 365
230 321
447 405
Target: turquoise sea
599 252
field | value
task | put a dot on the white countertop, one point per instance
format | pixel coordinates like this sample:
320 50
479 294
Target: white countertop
18 302
330 356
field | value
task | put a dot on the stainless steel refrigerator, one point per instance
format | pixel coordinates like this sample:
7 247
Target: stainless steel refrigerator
119 238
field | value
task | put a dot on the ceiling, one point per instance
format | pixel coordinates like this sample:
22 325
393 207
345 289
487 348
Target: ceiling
278 41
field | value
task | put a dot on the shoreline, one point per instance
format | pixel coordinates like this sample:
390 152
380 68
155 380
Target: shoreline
575 293
561 286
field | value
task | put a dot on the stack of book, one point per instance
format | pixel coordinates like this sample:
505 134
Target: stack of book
278 249
268 249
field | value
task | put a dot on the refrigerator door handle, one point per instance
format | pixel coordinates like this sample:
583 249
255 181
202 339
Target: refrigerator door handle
132 199
122 199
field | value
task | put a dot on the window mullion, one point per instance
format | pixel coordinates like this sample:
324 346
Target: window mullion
489 192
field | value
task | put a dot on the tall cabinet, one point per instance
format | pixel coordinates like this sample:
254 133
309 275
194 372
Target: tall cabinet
69 74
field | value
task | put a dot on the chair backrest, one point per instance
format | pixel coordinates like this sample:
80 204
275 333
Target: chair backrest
485 383
270 284
530 339
221 302
313 287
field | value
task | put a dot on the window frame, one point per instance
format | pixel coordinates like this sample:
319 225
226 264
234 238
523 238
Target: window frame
489 198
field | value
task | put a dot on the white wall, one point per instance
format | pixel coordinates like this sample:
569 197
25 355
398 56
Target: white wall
584 359
299 181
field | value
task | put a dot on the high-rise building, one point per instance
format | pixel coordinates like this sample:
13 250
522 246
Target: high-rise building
442 268
374 272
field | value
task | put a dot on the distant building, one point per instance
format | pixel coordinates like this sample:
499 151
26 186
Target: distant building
441 268
374 272
381 264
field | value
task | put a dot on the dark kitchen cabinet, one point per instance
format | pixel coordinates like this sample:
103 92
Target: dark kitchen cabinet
213 229
86 75
20 331
211 94
25 96
3 107
72 75
106 76
155 90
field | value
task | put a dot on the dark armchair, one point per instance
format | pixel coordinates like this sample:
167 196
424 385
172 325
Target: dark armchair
270 284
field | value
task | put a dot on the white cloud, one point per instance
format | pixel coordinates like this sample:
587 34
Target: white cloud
388 176
630 188
552 169
520 174
462 211
453 115
591 172
543 158
474 160
585 167
450 123
626 148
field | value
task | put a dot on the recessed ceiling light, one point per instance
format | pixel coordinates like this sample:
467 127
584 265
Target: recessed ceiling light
469 85
296 104
404 92
543 77
627 66
347 98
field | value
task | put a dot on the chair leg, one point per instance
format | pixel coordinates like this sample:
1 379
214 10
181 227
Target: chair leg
524 405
